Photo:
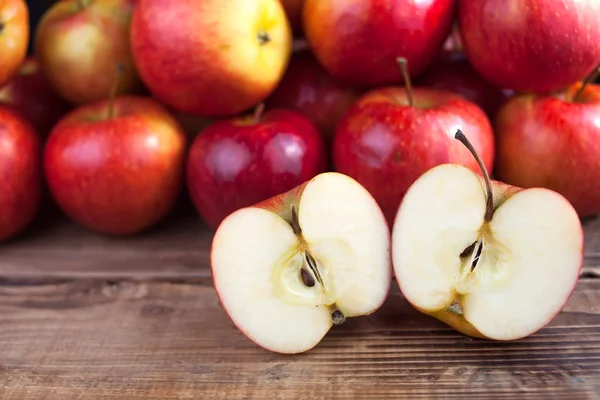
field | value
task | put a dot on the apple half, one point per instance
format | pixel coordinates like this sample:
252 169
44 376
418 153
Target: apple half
288 269
489 259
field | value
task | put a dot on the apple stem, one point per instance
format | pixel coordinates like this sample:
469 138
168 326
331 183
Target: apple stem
258 112
588 79
489 208
403 62
113 91
83 4
338 318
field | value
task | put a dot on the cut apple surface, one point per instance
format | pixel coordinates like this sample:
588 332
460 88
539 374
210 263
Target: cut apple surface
502 274
286 270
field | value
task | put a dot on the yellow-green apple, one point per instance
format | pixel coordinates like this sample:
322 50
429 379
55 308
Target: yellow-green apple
290 268
531 45
211 57
21 179
293 10
307 88
553 142
14 37
78 43
392 135
117 166
489 259
237 162
357 41
32 96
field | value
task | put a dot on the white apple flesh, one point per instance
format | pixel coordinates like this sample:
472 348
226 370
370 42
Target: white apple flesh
500 275
288 269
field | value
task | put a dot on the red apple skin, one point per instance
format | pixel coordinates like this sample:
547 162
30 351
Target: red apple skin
452 72
386 145
307 88
30 94
552 142
529 45
116 176
199 67
234 163
20 173
14 37
84 74
358 41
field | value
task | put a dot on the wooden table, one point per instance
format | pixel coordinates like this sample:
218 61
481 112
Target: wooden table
87 317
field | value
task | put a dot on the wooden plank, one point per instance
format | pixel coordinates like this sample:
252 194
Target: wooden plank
89 339
177 248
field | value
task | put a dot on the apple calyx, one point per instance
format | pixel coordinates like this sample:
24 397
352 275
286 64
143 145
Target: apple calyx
588 79
82 4
113 91
403 63
299 277
263 37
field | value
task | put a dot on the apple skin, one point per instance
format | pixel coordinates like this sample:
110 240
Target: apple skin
30 94
238 162
552 142
386 145
87 74
116 176
451 71
14 37
358 41
21 182
171 40
307 88
537 46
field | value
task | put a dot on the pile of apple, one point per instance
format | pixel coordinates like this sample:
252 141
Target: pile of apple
331 145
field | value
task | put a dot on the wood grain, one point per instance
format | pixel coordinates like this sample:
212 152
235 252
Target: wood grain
177 248
93 339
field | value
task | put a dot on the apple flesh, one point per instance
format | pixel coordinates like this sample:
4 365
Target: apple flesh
78 43
20 173
116 174
529 45
237 162
14 37
288 269
197 66
32 96
500 275
553 142
357 41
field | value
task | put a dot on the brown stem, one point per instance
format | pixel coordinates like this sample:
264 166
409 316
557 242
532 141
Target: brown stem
489 207
406 76
113 91
258 112
588 79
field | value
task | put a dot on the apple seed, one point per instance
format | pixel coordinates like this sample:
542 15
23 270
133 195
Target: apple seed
307 278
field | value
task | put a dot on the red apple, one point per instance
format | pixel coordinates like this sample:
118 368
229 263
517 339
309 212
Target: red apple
531 45
20 173
307 88
14 37
119 169
357 41
78 43
451 71
553 142
34 98
238 162
198 66
392 135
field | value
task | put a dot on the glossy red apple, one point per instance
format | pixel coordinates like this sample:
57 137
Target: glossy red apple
30 94
553 142
531 45
238 162
20 173
307 88
392 135
357 41
14 37
119 169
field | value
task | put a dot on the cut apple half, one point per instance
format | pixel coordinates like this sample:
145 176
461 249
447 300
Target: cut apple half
489 259
288 269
